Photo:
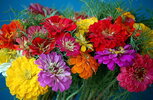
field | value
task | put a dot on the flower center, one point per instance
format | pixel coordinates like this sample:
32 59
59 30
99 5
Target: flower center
69 45
27 75
54 69
107 33
140 74
120 50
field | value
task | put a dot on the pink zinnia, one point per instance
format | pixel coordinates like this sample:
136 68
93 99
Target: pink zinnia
137 77
68 44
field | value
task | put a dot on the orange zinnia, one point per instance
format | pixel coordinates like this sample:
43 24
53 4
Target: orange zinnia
84 64
8 34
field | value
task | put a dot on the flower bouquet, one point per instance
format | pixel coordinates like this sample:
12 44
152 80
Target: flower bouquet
101 53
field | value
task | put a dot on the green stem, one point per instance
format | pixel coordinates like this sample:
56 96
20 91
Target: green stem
69 97
104 91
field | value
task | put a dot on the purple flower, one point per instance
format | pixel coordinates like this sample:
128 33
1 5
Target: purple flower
122 56
55 73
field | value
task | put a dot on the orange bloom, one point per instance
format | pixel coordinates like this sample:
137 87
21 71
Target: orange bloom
8 34
84 64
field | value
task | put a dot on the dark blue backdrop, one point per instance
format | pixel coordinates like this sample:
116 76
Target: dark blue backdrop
6 5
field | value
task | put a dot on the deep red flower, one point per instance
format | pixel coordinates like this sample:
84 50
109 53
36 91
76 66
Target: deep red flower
56 24
40 46
105 34
39 9
126 24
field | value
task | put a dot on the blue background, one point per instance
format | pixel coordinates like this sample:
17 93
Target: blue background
5 14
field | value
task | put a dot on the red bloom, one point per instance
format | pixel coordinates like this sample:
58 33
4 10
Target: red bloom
40 46
39 9
137 77
56 24
104 34
126 24
8 33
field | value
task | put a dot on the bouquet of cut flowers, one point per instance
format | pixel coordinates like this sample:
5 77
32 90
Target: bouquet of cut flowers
104 52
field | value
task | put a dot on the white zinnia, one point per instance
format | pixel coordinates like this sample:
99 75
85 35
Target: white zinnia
4 67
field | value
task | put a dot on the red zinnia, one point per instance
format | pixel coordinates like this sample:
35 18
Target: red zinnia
57 24
137 77
104 34
40 46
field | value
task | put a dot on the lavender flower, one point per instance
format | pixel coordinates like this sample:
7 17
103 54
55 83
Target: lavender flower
123 57
55 73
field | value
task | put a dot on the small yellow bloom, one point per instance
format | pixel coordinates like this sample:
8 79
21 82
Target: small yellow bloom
126 14
6 55
84 43
22 79
83 24
141 26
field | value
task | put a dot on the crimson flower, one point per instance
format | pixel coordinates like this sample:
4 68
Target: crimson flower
56 24
40 46
105 34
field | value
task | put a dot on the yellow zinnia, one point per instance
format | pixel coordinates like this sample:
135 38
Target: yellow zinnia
22 79
82 28
6 55
84 43
83 24
126 14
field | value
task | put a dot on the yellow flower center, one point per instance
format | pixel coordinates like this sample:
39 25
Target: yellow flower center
69 45
119 51
27 75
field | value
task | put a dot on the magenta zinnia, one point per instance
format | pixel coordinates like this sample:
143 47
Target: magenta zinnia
68 44
138 76
122 56
55 73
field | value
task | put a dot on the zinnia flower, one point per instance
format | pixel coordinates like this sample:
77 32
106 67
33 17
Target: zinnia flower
22 79
4 67
85 45
83 25
40 46
138 76
56 24
123 57
6 55
39 9
105 34
68 44
55 73
84 64
26 39
8 33
126 14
